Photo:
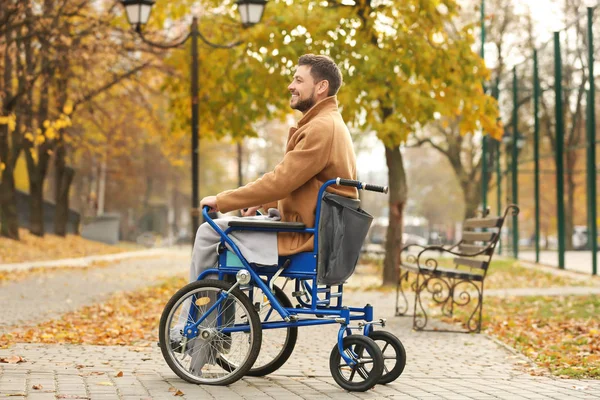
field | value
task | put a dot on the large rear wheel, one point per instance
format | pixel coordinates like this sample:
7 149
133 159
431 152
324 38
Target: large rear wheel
195 357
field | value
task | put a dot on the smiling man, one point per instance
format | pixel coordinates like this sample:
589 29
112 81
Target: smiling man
318 149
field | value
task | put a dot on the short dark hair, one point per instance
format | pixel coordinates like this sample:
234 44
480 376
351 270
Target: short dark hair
323 68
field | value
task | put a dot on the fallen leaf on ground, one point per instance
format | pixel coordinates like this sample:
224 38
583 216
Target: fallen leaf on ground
119 374
12 360
178 393
104 384
37 387
172 389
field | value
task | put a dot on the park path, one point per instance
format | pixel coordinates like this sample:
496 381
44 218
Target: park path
439 365
45 296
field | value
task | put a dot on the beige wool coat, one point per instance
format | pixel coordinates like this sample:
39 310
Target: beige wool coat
318 149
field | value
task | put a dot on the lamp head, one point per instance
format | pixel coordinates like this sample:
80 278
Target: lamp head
251 11
138 12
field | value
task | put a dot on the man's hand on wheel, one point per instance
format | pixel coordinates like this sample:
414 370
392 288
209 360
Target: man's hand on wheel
249 212
210 201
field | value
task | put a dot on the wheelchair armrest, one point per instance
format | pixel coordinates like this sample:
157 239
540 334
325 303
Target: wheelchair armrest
241 223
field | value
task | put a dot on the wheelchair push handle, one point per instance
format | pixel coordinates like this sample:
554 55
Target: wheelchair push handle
361 185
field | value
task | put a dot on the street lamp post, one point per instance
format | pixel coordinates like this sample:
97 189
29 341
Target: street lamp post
138 13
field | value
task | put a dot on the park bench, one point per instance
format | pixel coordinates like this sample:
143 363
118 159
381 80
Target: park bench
457 285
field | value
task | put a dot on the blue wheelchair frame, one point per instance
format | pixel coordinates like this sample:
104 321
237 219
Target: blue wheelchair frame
303 268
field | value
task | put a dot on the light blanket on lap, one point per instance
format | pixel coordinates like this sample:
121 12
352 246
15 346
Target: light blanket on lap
256 247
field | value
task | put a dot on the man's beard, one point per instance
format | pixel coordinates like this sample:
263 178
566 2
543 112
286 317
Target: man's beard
306 104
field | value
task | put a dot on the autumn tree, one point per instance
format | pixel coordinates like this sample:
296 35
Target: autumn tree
58 57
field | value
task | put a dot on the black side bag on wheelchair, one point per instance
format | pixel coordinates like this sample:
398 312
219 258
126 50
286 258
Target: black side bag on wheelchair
343 227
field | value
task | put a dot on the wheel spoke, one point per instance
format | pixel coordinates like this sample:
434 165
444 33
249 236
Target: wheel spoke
385 347
352 374
365 373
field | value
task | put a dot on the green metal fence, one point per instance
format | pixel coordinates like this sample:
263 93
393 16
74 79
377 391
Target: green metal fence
546 162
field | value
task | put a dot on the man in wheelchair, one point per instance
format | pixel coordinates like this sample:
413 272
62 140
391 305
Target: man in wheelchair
211 331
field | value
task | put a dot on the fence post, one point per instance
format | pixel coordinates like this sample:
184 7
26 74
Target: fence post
515 155
485 139
591 153
536 152
496 95
560 133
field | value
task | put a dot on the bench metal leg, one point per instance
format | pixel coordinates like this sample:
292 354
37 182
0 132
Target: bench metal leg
419 317
447 293
447 301
401 299
440 290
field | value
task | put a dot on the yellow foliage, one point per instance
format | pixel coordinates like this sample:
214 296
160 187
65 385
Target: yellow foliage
10 120
21 177
68 107
34 155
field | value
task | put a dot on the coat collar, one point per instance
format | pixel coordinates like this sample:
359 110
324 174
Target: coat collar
325 105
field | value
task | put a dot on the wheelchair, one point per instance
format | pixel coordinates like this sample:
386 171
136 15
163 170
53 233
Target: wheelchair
212 330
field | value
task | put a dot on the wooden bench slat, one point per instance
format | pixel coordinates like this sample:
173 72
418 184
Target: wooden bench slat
483 222
478 236
472 249
453 273
471 262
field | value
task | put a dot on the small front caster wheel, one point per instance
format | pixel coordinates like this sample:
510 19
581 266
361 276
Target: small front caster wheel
367 370
394 355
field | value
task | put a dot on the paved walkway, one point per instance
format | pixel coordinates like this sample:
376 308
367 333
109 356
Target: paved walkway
84 262
439 365
46 296
579 261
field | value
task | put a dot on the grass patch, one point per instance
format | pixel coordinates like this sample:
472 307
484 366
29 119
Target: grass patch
505 274
559 333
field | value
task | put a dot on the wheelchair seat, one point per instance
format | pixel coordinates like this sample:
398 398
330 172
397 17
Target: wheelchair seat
250 223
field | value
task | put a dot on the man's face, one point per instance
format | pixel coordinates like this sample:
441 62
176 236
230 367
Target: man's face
302 89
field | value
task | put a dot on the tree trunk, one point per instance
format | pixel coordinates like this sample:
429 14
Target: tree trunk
61 216
102 187
8 202
240 164
36 206
63 179
9 221
397 200
472 193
